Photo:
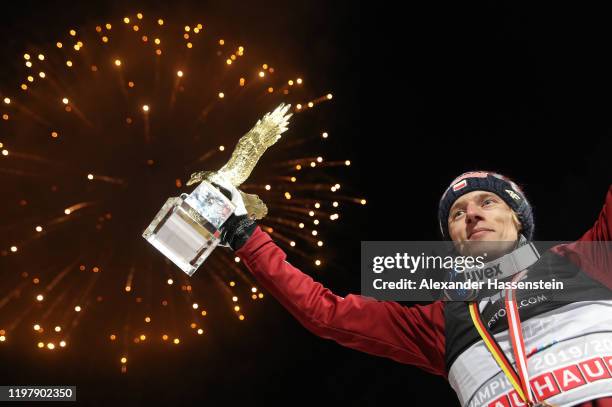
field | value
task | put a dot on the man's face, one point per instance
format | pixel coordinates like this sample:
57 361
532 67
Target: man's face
481 216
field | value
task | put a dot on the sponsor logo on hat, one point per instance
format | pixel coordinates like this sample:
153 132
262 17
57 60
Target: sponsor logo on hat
460 185
513 195
471 174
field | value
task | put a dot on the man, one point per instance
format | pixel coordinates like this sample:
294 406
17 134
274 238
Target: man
561 352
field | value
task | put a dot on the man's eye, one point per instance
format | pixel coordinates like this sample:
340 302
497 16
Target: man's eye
488 201
456 214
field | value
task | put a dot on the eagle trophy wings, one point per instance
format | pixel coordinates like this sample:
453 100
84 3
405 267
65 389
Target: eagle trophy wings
249 149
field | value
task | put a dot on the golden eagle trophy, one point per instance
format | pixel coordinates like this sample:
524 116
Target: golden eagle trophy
248 151
187 228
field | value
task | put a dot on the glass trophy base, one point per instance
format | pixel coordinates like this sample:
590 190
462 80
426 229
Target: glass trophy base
186 229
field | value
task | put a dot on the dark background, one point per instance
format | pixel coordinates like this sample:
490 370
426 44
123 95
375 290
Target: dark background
420 95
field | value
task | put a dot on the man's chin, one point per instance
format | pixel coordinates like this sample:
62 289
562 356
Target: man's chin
487 248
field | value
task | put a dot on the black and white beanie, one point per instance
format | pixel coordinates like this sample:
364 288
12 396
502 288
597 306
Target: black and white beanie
492 182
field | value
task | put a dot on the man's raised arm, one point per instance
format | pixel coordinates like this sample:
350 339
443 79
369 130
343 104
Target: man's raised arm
411 335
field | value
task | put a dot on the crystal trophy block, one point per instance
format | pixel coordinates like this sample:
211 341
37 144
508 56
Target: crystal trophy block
186 229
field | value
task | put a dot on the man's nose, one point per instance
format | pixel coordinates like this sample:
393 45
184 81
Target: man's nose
473 212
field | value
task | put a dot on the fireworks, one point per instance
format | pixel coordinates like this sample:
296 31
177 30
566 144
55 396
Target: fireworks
101 127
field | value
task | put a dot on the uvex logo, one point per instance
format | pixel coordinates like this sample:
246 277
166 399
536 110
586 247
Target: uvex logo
479 274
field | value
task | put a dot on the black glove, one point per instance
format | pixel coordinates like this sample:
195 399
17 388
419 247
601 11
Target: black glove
237 229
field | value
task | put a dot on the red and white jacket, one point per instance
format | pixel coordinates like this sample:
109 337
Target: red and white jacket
416 335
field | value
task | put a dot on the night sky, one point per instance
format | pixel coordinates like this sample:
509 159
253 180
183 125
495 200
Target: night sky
420 96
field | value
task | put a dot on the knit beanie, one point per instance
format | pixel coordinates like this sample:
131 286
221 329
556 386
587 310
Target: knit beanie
499 184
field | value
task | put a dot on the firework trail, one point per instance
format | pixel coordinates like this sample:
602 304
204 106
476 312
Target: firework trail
103 126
